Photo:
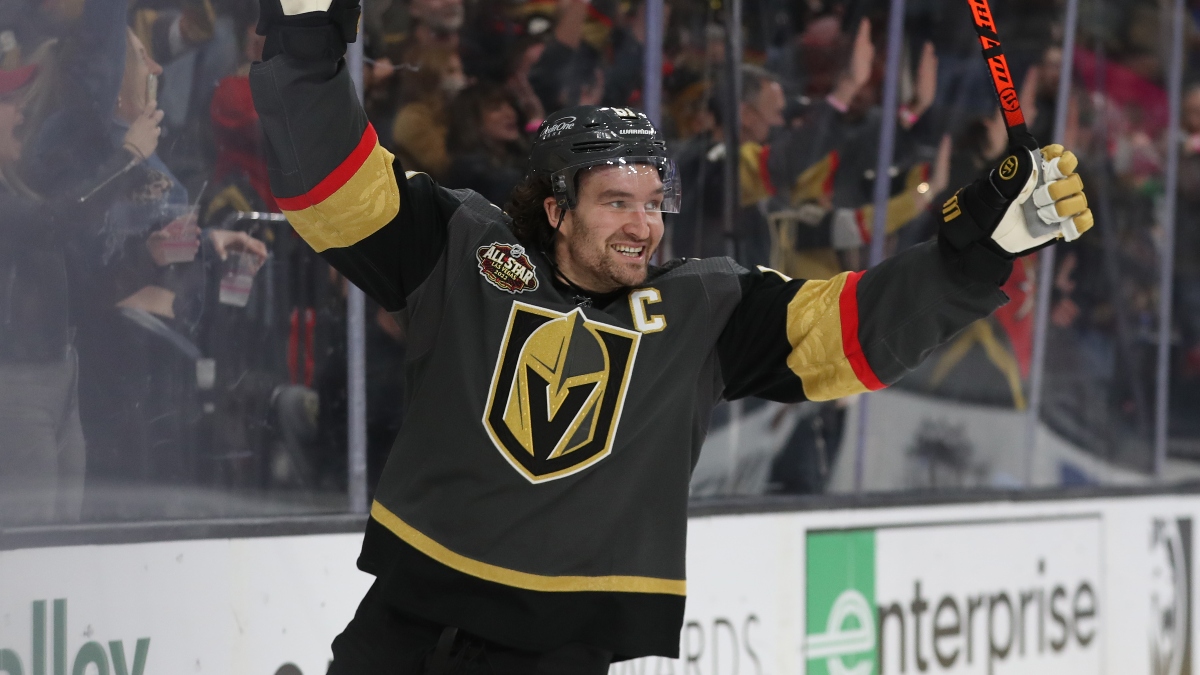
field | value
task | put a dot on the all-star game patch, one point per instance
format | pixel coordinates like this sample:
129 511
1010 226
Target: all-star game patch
507 267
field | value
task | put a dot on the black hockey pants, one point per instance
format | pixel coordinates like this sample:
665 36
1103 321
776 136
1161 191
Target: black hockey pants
382 641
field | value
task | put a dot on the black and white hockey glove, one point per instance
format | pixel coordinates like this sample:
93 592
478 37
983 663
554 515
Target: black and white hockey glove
308 29
1029 200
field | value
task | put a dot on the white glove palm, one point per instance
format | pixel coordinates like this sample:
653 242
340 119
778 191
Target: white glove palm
1050 206
294 7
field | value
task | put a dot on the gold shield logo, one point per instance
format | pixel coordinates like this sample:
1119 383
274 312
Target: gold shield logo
558 390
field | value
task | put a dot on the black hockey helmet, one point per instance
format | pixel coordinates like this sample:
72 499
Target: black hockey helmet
586 136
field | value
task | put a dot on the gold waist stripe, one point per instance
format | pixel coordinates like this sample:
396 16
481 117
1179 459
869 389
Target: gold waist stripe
532 582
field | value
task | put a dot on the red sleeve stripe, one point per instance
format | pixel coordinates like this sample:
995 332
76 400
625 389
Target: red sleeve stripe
863 231
834 161
848 304
336 178
596 15
764 172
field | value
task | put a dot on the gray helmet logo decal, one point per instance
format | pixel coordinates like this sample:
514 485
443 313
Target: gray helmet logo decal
564 124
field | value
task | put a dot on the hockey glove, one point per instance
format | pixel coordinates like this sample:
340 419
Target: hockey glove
1028 201
308 29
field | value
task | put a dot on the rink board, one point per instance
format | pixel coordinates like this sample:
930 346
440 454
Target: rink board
1069 586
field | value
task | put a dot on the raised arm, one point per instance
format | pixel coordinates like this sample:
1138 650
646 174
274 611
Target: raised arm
796 340
792 340
342 192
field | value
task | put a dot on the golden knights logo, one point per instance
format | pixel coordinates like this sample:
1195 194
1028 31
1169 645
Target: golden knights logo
507 267
558 390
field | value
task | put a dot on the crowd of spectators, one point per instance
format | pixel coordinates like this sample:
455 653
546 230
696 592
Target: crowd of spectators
161 328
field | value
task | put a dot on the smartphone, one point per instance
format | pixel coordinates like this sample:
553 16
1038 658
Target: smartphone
152 89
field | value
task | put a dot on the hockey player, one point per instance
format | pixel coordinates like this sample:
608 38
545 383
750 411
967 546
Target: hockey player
532 515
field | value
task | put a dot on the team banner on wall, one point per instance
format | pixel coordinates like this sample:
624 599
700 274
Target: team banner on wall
1070 587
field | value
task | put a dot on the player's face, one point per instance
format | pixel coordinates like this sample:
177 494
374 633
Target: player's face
609 237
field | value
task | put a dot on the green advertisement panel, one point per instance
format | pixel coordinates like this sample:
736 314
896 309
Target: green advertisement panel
841 603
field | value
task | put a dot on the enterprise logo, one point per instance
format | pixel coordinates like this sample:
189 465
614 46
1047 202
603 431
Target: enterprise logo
849 631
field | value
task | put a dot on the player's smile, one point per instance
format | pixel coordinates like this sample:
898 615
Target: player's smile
628 251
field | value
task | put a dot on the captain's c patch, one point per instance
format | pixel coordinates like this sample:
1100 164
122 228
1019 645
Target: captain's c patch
558 389
507 267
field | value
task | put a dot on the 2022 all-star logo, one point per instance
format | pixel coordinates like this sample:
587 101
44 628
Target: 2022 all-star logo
558 390
507 267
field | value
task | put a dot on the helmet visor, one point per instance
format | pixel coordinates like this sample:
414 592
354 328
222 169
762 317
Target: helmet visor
648 184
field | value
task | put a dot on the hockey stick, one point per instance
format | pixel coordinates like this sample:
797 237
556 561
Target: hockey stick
1002 80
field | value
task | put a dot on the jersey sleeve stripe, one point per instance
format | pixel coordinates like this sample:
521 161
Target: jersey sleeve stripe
764 170
362 205
827 184
848 306
596 15
336 178
864 234
822 328
517 579
816 182
753 186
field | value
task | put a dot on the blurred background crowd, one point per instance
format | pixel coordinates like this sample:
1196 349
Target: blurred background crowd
169 348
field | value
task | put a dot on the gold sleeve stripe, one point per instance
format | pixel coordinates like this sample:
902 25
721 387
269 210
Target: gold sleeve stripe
352 203
525 580
822 328
816 182
901 210
752 173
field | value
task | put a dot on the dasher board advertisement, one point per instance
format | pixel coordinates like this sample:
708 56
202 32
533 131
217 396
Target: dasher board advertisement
987 598
220 606
1070 587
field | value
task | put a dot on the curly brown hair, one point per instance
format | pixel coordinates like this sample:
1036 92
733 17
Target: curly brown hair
526 208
